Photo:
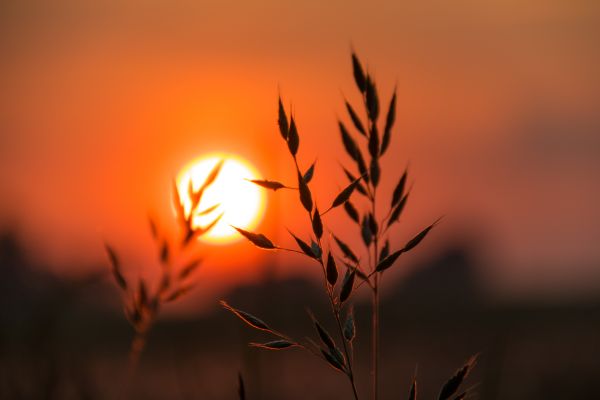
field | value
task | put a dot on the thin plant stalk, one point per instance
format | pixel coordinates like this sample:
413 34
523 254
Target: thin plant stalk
375 321
375 336
141 305
373 233
138 344
348 355
374 260
335 310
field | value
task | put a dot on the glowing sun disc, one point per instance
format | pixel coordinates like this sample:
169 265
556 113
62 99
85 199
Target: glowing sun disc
241 202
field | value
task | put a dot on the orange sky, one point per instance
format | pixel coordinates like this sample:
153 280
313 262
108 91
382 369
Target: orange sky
103 102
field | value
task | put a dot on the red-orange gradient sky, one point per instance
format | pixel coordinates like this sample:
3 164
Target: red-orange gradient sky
103 102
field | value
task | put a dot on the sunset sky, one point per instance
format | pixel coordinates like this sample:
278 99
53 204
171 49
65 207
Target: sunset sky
103 102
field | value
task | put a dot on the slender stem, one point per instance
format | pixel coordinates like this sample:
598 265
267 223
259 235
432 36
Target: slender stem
372 264
375 337
334 308
375 287
336 314
292 251
137 347
135 352
347 353
375 309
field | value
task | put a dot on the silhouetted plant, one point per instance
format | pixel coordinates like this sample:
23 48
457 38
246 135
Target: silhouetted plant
241 387
140 303
373 230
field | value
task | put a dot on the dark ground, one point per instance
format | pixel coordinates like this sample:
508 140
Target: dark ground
56 342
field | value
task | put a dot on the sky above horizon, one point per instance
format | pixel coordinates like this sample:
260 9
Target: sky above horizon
103 102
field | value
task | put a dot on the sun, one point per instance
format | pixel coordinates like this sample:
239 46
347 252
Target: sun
241 202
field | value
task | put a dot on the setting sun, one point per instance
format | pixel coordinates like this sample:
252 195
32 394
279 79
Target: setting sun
241 202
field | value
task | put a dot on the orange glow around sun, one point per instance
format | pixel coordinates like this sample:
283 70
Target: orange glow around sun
241 202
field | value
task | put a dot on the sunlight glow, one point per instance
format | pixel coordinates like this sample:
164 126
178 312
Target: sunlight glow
241 202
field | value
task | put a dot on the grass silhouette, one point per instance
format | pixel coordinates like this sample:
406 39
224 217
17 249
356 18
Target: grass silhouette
373 229
142 304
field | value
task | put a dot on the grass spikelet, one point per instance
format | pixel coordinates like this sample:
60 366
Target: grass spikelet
359 75
305 195
142 295
183 221
412 395
389 123
399 189
153 228
365 231
349 326
241 388
282 122
293 139
274 345
317 224
345 194
359 273
116 267
414 242
331 270
316 249
355 119
306 249
189 268
452 385
208 210
248 318
347 286
373 226
164 252
349 143
372 99
351 211
165 284
308 175
324 335
273 185
258 239
374 142
388 261
194 196
385 250
348 253
211 225
212 175
395 215
177 293
359 187
375 171
362 166
333 361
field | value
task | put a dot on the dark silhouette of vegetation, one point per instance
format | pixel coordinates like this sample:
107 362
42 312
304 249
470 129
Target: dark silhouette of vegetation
373 229
142 304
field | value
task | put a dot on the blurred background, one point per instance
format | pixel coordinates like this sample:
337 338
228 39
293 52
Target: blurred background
103 102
